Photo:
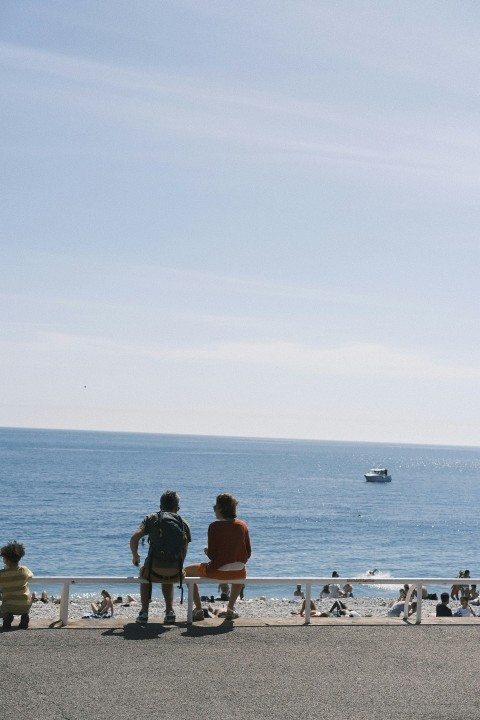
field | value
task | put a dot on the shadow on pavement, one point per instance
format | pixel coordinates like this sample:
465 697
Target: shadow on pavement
193 631
134 631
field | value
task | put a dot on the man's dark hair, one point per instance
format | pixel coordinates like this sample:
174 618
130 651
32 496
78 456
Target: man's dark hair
170 502
444 597
13 552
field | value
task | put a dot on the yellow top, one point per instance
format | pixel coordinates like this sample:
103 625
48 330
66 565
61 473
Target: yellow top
16 598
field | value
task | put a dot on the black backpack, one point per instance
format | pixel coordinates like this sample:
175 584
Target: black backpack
167 540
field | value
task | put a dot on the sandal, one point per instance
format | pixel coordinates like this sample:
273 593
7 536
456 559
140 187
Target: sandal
198 615
228 614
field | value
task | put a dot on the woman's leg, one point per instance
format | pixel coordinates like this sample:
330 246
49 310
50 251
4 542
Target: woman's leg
233 596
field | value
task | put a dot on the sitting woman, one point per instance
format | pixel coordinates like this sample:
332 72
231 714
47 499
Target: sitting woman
228 550
313 610
105 606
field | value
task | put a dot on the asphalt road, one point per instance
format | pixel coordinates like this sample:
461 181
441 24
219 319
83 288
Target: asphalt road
214 672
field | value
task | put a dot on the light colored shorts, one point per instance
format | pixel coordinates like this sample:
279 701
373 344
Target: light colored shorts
221 574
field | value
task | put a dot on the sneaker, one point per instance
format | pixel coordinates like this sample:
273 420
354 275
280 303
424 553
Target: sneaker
24 620
7 621
198 615
142 617
170 618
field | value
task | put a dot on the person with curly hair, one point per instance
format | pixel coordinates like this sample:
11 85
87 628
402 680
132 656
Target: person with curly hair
16 598
228 550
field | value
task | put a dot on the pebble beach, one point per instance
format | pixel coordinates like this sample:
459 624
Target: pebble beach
248 608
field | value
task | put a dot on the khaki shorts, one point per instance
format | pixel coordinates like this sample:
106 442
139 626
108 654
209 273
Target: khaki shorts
160 575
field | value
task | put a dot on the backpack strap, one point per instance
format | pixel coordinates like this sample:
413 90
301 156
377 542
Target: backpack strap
149 562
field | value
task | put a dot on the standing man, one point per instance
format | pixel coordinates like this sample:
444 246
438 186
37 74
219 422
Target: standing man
169 536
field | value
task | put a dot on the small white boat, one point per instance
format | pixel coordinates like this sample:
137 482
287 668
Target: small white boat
379 475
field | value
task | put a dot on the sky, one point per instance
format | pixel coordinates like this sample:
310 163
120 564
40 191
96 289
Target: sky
241 217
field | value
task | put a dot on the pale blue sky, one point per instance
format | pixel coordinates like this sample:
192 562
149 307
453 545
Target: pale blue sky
241 218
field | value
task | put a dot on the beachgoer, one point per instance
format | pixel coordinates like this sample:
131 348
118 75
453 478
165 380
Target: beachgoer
224 591
105 606
228 551
334 589
397 609
464 610
339 608
473 596
169 536
325 592
298 593
455 589
465 589
348 590
442 609
424 593
16 598
313 610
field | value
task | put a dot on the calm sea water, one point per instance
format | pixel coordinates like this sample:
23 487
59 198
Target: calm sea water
74 499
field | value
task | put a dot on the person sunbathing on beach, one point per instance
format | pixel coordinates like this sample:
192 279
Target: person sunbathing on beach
403 593
339 608
298 593
324 593
104 606
455 589
228 550
473 596
442 609
464 610
397 609
334 589
313 610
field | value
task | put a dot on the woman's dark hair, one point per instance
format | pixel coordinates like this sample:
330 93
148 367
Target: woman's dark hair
13 552
227 506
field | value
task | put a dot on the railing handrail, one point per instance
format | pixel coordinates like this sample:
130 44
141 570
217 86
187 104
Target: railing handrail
415 583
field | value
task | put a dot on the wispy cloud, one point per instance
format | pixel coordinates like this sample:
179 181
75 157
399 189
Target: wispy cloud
284 125
354 360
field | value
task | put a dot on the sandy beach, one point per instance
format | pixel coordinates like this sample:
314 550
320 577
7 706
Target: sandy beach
248 608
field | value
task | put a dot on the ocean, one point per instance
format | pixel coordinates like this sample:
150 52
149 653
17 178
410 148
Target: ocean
74 498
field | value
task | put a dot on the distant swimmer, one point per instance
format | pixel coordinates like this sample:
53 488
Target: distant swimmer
373 572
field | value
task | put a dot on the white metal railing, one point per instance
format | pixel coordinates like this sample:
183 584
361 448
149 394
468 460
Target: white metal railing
415 584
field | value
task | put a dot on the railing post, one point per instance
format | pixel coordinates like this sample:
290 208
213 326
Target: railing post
419 604
189 603
308 598
64 597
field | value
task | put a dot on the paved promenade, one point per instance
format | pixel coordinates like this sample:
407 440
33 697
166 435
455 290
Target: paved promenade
334 668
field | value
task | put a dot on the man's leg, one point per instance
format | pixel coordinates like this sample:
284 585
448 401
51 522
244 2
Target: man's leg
145 596
167 590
